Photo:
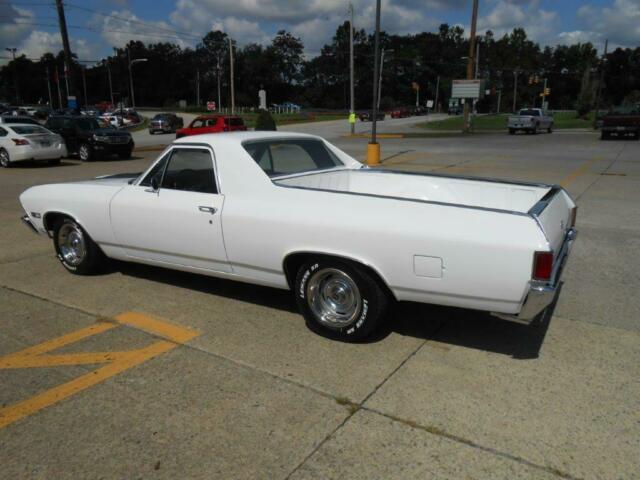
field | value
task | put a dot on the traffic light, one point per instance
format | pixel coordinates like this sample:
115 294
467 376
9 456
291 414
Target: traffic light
536 79
415 86
547 91
531 80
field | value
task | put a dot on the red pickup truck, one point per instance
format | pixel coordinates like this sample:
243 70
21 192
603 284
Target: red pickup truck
620 122
212 124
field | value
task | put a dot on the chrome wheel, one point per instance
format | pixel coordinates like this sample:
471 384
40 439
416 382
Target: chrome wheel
84 152
4 159
72 244
334 298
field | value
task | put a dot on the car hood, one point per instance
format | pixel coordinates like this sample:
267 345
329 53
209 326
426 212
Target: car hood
118 179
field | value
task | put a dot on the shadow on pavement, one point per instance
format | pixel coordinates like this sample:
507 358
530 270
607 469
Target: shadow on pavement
449 325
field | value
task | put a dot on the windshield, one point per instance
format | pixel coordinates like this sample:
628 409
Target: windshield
284 157
29 129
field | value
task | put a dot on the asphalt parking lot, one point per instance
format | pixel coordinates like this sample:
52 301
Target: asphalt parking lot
148 373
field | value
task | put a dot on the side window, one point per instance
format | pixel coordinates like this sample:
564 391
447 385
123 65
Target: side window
291 156
197 124
190 170
156 172
3 132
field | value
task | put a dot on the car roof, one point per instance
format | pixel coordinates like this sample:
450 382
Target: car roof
226 138
11 125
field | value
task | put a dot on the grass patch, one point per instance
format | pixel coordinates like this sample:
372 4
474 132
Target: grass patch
499 122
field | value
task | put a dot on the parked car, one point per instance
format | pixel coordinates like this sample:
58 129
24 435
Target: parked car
21 142
165 123
419 111
115 120
401 112
212 124
15 119
530 120
292 211
620 122
91 138
367 116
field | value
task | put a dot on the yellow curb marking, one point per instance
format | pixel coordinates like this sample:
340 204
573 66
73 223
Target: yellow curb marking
578 172
116 362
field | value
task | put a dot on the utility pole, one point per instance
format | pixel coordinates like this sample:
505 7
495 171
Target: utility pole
68 63
197 87
49 88
106 62
544 94
499 100
515 89
373 149
59 91
233 98
131 63
218 71
437 92
600 81
15 72
470 62
477 59
352 109
84 85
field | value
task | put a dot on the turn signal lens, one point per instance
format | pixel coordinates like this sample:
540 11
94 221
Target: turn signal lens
20 141
542 265
574 215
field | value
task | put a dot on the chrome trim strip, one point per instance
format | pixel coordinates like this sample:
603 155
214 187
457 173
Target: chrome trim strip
151 250
27 221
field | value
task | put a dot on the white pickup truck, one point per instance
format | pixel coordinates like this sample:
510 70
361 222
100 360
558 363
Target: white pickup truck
292 211
530 120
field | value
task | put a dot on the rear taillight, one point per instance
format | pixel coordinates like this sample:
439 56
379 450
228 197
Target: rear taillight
20 141
542 265
574 215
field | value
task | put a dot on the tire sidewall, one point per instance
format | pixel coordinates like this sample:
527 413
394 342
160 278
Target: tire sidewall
4 154
89 153
364 323
90 262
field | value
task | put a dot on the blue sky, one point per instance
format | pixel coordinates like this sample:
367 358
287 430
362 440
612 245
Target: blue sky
96 26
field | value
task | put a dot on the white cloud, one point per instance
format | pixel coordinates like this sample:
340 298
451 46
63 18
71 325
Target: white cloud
540 24
15 27
619 22
39 43
123 26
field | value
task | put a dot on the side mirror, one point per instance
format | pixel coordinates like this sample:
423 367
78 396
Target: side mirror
154 184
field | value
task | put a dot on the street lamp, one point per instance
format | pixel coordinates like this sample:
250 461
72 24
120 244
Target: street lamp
105 62
131 64
15 73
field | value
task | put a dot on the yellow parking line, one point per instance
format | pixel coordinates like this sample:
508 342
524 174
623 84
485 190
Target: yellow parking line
578 172
116 362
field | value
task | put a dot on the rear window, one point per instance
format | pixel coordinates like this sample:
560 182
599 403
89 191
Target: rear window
532 113
29 129
284 157
19 120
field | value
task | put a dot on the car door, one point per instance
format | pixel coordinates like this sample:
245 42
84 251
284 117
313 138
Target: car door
173 215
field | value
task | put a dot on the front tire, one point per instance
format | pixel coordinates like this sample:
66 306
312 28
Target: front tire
550 129
85 152
75 249
340 300
5 161
125 155
512 131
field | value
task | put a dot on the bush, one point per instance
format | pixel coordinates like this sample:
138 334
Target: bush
265 121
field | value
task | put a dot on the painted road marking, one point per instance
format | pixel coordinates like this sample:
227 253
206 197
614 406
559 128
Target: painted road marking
115 362
578 172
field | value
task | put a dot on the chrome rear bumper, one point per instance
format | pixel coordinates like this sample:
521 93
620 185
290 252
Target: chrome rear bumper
542 294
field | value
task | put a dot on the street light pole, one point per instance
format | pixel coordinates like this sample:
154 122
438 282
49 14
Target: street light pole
515 89
352 106
218 71
437 92
373 149
106 62
233 98
84 85
471 61
131 63
49 88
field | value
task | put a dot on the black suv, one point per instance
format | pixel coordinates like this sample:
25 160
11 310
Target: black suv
91 137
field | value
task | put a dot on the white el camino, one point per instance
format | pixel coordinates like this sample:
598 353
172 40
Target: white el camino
292 211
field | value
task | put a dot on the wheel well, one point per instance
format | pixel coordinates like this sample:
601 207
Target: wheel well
294 261
51 218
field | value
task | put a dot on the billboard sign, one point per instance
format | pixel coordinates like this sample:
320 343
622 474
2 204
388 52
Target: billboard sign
466 89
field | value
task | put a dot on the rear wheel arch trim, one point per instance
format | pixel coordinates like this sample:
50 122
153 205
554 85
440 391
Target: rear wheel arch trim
290 274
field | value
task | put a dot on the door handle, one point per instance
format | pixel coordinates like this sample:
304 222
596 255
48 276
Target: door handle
210 210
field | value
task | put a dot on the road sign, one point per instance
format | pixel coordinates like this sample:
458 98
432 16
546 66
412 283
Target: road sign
211 106
72 102
466 89
429 103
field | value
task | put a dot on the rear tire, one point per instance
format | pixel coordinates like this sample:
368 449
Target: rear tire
534 131
75 249
54 162
605 135
5 161
339 299
125 155
550 129
512 131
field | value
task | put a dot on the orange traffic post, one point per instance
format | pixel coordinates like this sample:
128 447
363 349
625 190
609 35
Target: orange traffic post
373 154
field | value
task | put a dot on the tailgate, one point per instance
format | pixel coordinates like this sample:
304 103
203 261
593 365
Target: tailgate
555 215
